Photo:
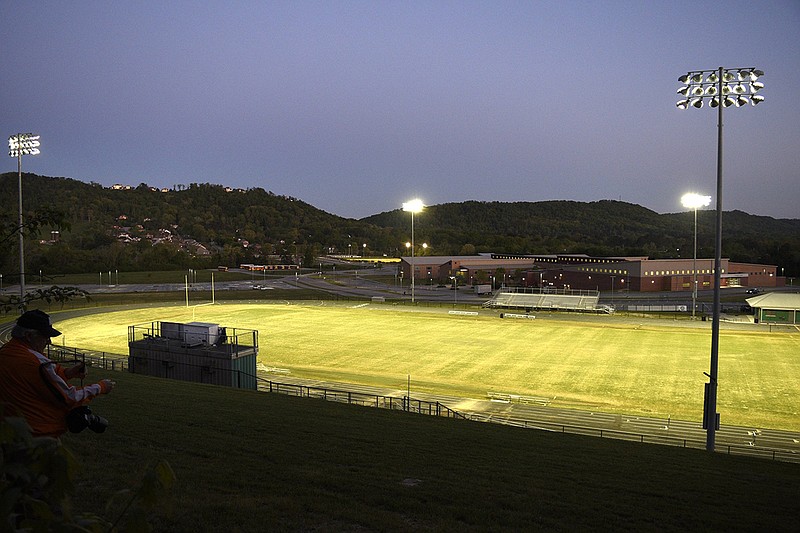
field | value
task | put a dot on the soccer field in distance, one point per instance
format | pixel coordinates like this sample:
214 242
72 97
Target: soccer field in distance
648 367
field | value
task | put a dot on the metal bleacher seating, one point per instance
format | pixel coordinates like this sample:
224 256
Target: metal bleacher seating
562 299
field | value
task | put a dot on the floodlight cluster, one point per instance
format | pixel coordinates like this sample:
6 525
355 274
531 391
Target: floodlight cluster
737 87
413 206
23 144
692 200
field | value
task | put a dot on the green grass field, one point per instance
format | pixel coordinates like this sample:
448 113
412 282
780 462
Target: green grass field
601 363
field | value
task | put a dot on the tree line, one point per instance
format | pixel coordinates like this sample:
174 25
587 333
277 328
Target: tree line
204 225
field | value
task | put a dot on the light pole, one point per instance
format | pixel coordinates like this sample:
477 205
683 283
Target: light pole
724 88
694 201
612 290
19 145
413 206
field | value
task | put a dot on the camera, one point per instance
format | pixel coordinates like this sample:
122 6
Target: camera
81 418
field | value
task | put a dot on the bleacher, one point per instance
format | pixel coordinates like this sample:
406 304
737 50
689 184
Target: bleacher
562 299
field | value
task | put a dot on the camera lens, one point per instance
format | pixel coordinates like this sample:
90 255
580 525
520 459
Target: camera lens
98 424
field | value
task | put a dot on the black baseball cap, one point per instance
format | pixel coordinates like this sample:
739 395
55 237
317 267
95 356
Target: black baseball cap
38 320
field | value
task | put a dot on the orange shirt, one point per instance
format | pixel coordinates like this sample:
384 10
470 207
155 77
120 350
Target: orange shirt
35 388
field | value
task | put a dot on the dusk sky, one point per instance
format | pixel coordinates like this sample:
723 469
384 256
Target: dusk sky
358 106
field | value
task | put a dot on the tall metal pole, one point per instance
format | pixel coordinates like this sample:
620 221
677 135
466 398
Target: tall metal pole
21 237
413 206
412 257
19 145
694 267
711 407
723 89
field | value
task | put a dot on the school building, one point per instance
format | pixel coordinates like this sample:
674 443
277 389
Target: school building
580 271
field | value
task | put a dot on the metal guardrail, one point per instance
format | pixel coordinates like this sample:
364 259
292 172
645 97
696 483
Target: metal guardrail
97 359
117 362
405 403
730 449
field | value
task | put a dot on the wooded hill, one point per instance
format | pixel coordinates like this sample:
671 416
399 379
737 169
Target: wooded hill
205 225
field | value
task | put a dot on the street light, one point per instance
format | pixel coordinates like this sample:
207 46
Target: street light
612 290
694 201
19 145
724 87
413 206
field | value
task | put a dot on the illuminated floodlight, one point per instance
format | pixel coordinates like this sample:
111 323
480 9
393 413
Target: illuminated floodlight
724 88
692 200
23 144
19 145
413 206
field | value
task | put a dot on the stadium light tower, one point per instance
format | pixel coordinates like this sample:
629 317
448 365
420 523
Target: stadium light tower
694 201
19 145
723 87
413 206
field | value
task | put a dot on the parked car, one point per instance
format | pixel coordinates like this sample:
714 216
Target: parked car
754 290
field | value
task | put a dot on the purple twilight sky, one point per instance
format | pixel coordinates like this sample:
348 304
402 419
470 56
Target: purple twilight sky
358 106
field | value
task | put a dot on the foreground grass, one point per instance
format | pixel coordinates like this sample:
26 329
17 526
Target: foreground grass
604 364
248 461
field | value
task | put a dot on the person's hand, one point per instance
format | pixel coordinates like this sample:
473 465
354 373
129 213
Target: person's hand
106 385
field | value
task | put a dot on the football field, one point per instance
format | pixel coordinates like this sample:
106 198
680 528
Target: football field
649 367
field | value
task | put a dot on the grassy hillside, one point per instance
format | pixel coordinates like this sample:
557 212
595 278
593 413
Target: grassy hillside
248 461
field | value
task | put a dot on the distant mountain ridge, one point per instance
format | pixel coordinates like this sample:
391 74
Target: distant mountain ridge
241 226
